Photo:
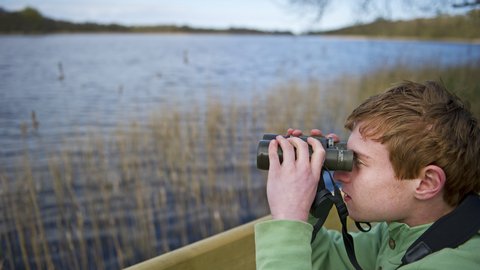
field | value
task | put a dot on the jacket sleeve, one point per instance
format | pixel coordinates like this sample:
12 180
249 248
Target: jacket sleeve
285 244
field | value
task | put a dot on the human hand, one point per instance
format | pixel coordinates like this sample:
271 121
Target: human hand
292 185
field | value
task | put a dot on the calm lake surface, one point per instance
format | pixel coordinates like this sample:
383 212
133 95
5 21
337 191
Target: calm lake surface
102 80
99 79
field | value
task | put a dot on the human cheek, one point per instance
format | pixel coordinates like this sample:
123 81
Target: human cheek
362 187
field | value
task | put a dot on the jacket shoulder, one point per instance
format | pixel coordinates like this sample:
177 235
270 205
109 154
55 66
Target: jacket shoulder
465 257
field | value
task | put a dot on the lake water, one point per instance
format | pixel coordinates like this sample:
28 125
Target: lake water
100 80
112 76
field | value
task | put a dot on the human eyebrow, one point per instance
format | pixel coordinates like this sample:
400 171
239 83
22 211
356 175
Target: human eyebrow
359 158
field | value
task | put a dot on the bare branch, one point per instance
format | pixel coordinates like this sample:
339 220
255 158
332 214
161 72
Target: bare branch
467 4
312 6
383 8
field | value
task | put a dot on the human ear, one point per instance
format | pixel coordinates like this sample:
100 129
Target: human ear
432 179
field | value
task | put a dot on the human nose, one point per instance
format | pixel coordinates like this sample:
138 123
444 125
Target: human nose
341 176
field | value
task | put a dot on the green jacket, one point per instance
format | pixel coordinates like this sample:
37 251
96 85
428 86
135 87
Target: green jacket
285 244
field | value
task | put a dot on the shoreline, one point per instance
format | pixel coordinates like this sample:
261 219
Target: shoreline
150 33
350 37
402 38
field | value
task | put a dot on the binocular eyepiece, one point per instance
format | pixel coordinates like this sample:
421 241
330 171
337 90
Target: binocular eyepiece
338 158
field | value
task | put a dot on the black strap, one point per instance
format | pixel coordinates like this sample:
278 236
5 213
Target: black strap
337 199
450 231
347 238
321 205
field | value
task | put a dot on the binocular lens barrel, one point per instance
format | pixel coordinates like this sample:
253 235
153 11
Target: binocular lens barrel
337 158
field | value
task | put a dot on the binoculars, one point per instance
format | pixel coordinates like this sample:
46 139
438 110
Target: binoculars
338 158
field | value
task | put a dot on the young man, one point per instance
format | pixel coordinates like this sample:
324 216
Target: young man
417 157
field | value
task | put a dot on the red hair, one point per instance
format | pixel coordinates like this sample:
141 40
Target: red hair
423 124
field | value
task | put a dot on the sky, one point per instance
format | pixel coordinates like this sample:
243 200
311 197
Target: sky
269 15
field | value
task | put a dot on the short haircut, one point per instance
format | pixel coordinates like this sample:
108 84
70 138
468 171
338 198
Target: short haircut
423 124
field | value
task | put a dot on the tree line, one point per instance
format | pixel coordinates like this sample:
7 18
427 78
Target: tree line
31 21
441 27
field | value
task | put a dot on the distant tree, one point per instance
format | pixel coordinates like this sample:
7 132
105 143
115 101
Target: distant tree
32 18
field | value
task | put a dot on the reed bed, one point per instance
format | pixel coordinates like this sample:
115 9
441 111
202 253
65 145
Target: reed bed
111 199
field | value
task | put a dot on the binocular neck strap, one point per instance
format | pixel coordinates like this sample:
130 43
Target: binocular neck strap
337 199
347 238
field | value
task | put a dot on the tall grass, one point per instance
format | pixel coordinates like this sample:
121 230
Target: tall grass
108 200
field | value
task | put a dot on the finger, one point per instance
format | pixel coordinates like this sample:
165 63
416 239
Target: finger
303 154
316 132
273 155
318 156
289 132
335 137
288 150
297 133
